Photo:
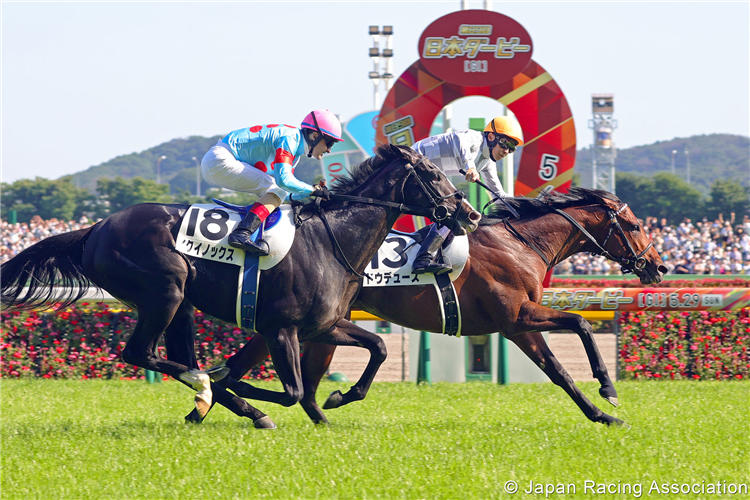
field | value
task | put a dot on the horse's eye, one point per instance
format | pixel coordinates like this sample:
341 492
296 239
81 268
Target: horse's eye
636 229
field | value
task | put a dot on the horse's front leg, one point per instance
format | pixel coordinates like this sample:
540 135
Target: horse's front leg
316 358
536 318
284 349
347 333
534 346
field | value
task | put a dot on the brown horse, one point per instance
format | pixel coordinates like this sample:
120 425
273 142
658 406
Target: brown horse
500 289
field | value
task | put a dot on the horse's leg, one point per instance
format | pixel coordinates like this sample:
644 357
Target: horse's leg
534 317
284 349
534 346
179 340
347 333
316 358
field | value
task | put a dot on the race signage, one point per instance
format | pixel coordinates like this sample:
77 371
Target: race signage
392 265
204 233
644 299
475 48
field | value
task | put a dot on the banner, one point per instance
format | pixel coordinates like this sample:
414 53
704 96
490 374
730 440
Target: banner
646 299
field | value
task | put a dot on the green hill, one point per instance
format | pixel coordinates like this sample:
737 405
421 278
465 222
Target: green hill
712 157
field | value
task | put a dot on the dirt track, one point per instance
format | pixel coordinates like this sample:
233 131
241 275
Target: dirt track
567 348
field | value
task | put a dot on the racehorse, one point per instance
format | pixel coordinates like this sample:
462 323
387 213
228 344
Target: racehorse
132 255
500 289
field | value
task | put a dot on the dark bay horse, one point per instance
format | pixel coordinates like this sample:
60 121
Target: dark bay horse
132 255
500 289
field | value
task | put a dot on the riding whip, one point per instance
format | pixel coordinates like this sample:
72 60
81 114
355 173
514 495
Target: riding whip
497 196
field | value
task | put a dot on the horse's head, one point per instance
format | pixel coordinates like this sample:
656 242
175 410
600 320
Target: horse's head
425 185
627 243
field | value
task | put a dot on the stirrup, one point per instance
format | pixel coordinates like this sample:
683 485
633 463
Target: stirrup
241 239
431 267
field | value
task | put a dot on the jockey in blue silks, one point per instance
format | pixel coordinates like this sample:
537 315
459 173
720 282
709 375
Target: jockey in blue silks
261 160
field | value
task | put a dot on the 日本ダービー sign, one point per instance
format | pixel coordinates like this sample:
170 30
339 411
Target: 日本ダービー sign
475 48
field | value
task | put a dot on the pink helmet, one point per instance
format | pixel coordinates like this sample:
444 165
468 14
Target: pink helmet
323 122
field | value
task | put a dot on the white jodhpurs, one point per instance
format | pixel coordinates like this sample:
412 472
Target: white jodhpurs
220 168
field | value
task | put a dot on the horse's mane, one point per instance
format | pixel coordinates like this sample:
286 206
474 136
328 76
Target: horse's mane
532 207
384 155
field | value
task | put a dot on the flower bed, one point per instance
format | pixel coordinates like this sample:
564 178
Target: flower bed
685 345
87 342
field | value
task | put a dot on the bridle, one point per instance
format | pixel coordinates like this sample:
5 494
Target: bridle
437 212
628 264
635 261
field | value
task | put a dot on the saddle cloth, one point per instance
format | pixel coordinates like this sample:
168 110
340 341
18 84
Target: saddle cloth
392 264
204 234
205 230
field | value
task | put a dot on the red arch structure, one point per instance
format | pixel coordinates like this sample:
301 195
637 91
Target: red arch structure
532 95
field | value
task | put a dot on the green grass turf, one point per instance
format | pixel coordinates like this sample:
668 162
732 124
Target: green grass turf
127 439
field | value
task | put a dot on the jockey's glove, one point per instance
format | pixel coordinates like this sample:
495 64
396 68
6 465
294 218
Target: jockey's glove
321 192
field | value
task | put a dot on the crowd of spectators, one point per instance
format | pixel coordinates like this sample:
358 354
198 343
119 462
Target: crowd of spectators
17 237
719 247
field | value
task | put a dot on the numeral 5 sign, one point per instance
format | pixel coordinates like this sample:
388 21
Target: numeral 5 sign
548 167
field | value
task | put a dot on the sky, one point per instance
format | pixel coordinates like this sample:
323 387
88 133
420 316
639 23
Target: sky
85 82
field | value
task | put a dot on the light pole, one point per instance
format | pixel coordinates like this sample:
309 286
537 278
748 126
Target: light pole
687 160
674 152
158 168
197 177
376 55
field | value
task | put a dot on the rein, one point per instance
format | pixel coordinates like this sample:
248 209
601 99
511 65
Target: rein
438 213
627 264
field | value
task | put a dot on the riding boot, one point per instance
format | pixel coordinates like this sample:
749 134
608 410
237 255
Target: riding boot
430 259
241 236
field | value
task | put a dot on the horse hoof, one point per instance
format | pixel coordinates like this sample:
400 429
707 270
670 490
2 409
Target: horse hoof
264 423
218 372
613 401
333 401
194 417
203 403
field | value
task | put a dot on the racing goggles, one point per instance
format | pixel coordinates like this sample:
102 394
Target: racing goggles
506 143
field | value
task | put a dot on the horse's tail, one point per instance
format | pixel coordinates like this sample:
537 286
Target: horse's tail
47 267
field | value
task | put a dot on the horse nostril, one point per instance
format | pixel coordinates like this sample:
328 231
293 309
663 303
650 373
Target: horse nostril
662 269
475 216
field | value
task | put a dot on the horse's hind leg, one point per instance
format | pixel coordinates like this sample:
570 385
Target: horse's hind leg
347 333
534 346
534 317
316 358
179 340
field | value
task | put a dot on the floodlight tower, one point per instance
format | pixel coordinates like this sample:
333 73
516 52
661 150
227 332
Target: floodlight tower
376 55
604 153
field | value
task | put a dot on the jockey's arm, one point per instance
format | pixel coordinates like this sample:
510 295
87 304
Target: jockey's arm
285 179
490 178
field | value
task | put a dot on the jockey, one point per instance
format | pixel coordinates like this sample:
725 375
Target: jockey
241 161
476 153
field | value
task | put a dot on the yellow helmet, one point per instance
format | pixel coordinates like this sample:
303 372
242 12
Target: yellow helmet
506 125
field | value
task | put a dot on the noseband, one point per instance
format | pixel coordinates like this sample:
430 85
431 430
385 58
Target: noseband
629 264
